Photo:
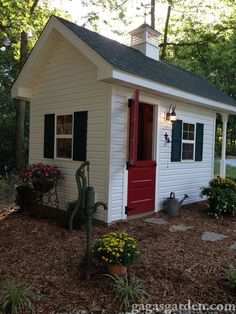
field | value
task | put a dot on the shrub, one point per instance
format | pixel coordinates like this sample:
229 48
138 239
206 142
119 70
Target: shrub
221 195
24 195
231 276
128 291
2 182
80 217
16 299
116 248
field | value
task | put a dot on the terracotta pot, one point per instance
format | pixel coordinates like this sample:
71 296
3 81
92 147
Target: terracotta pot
118 270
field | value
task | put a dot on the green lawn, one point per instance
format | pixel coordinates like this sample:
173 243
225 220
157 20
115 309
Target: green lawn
230 170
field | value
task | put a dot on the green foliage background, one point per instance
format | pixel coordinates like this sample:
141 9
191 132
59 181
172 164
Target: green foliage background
15 17
201 38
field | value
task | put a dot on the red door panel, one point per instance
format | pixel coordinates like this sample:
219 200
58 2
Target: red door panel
141 169
141 189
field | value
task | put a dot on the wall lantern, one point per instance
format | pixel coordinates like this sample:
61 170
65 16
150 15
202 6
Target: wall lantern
171 115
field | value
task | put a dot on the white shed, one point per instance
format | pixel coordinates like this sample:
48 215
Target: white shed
92 98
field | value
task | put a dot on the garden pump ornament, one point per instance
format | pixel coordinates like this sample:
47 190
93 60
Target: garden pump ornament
86 205
87 267
82 183
172 204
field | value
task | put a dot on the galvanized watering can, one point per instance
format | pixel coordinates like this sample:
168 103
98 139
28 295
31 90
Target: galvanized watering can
172 204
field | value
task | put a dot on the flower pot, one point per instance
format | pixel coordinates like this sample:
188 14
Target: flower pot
43 187
118 270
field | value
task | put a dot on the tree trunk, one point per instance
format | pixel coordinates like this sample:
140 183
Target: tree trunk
153 13
20 139
163 54
20 109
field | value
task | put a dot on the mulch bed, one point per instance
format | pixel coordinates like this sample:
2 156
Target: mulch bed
174 267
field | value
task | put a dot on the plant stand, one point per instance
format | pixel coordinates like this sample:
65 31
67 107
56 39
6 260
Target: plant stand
49 198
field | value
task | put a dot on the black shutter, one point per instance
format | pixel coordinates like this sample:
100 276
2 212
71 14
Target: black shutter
49 134
199 141
80 135
176 142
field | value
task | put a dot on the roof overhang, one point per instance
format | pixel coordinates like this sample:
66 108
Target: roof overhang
135 81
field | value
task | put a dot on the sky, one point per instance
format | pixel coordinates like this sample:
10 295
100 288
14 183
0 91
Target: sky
136 16
77 12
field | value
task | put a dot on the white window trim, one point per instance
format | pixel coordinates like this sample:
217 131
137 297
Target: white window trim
188 142
63 136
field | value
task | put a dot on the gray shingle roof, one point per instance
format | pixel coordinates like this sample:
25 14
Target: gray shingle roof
133 61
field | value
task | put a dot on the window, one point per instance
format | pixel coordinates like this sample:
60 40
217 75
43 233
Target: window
64 126
188 141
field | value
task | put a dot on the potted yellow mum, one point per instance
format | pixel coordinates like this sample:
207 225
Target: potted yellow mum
116 250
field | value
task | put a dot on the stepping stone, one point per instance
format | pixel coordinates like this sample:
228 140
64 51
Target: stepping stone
233 246
156 221
212 236
180 228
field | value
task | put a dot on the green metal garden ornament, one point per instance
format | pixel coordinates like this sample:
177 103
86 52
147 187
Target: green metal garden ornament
86 204
82 184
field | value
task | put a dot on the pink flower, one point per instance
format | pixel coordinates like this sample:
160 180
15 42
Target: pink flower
38 172
46 174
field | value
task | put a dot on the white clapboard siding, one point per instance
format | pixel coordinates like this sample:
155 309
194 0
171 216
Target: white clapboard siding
118 154
68 83
186 177
182 177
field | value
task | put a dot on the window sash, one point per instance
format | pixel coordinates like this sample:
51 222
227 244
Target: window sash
63 136
64 124
184 141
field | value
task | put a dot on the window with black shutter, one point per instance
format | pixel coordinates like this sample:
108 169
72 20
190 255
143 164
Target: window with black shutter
187 141
68 134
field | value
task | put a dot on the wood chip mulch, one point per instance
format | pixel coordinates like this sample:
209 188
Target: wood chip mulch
174 267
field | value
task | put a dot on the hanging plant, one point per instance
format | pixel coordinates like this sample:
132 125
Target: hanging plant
42 177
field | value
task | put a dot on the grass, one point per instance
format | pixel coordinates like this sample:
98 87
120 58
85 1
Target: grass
16 299
128 290
230 170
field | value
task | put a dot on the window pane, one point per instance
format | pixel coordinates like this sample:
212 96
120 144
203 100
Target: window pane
60 124
188 131
191 136
68 124
191 127
185 127
185 135
187 151
64 147
64 125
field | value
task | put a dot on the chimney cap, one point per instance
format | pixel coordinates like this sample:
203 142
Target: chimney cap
143 27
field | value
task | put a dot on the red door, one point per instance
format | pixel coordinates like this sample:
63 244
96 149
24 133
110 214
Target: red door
141 166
